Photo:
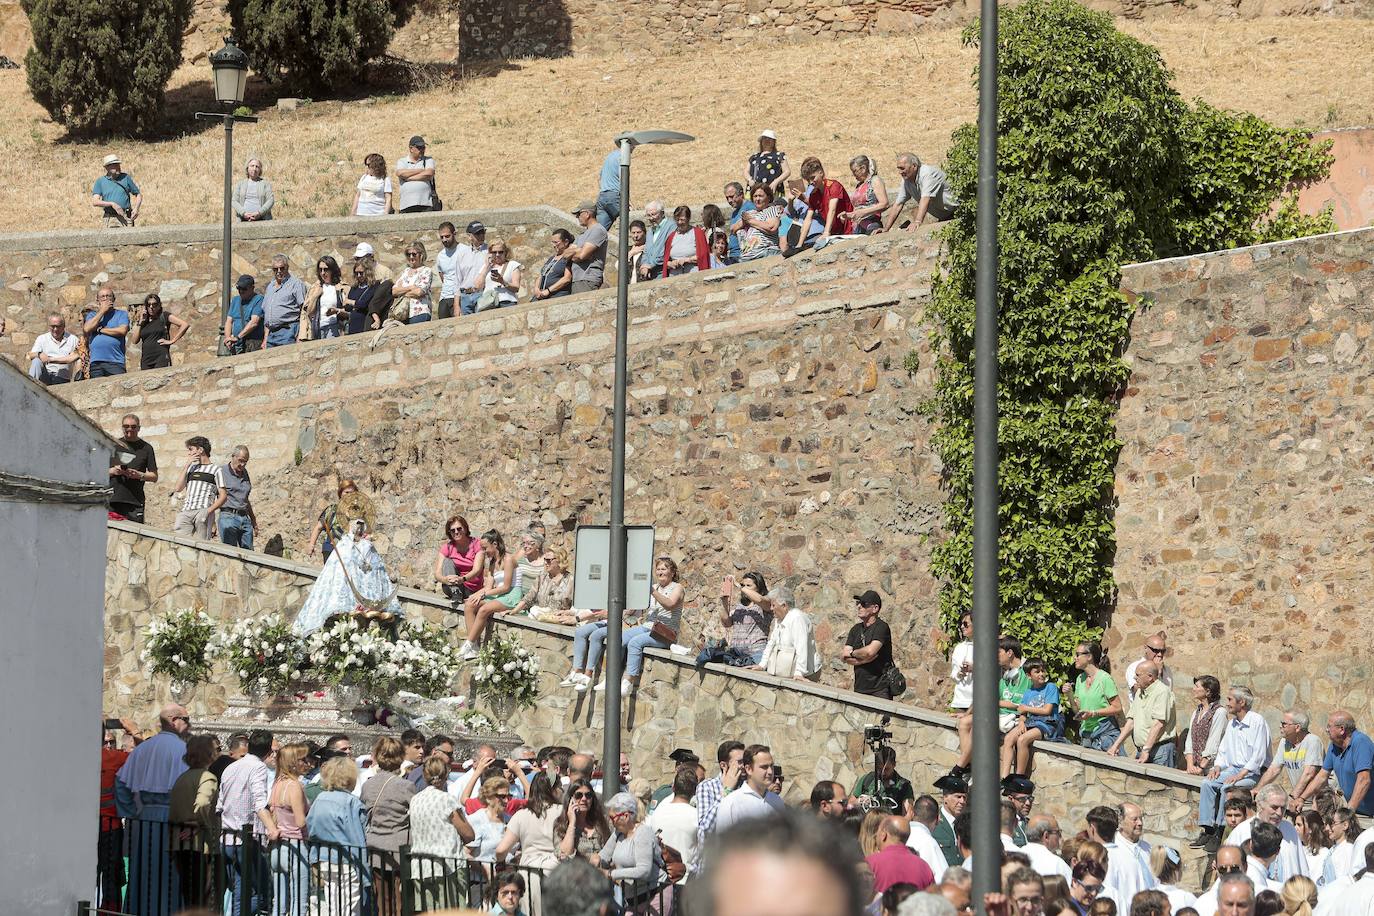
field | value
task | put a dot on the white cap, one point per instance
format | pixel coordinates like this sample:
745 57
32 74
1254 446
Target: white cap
363 250
111 159
769 135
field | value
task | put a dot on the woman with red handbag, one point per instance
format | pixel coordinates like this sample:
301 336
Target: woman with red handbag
661 624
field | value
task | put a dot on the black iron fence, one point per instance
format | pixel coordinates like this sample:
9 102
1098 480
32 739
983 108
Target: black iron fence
154 868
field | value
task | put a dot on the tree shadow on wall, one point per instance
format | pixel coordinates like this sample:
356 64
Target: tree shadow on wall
500 30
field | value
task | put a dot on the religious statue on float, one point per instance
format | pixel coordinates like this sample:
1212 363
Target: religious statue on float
354 581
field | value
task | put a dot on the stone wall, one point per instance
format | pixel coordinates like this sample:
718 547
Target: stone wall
815 732
772 427
59 271
1245 484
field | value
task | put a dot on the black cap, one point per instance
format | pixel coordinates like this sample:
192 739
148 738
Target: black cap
869 598
952 785
244 282
1017 785
417 140
476 228
682 755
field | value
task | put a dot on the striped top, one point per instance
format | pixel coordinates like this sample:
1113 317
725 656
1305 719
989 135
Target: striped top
202 486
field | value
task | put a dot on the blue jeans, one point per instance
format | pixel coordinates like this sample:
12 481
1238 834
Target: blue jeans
328 331
104 369
607 208
235 530
1162 755
259 881
290 879
585 653
1102 739
637 639
467 303
1213 792
417 319
284 335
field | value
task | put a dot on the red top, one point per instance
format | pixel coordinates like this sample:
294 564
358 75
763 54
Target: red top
110 762
896 864
466 562
819 201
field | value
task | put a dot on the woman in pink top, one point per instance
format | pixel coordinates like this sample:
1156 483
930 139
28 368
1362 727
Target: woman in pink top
458 568
290 868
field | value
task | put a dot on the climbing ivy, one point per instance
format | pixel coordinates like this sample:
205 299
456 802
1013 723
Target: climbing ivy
1100 163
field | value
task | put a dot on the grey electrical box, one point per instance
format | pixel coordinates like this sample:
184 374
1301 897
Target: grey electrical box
591 575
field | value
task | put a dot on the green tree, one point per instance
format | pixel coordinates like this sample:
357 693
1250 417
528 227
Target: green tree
102 68
315 45
1100 163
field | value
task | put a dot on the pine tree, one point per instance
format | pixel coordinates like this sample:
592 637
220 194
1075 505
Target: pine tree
315 44
102 68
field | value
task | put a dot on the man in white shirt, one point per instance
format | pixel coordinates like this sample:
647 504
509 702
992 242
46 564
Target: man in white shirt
1270 803
1133 828
1241 760
1154 650
1230 860
53 353
472 268
1043 838
1265 843
1126 872
446 266
921 841
675 819
749 800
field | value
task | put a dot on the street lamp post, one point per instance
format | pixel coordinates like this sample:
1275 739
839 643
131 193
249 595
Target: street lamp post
984 817
230 66
610 756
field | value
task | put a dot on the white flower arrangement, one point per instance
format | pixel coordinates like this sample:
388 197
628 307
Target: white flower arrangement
262 652
419 659
506 671
178 645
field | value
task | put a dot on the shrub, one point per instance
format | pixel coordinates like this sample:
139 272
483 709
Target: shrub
315 44
1100 163
102 68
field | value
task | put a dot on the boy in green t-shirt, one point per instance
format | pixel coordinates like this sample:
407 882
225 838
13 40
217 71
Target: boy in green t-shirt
1012 686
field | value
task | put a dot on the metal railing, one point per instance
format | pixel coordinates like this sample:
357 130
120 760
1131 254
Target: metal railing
154 868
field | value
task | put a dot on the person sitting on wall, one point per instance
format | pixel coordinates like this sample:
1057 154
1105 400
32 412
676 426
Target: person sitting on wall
923 183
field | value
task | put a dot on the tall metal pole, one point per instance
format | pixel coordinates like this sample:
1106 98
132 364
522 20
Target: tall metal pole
610 753
985 796
225 283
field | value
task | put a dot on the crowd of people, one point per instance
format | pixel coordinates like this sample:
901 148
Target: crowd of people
767 213
406 823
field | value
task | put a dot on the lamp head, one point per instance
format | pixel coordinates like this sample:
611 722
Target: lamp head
230 66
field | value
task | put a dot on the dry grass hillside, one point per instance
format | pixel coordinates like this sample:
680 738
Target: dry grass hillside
537 130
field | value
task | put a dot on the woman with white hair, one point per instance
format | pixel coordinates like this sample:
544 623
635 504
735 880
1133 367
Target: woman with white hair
253 195
791 649
630 857
869 197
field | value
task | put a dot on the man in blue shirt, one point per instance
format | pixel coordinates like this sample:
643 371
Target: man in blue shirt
243 326
1351 757
281 304
116 195
608 197
105 327
659 230
739 205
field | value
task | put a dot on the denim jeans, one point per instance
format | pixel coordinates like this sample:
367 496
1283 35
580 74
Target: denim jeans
328 331
290 879
104 369
607 208
1213 793
284 335
236 530
467 303
586 653
1102 739
259 880
636 640
417 319
1163 753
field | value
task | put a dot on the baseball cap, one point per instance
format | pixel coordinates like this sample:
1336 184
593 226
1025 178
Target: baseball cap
417 140
476 228
111 159
586 206
768 134
363 250
869 597
244 282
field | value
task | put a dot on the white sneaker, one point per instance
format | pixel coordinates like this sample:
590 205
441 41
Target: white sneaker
626 688
569 681
467 651
600 686
583 682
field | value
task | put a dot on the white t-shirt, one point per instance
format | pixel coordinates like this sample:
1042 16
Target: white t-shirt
677 822
372 193
414 193
505 294
963 683
45 345
329 299
446 265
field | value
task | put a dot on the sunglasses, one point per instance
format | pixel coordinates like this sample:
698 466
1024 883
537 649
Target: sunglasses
412 254
181 719
1089 889
582 795
455 531
1153 651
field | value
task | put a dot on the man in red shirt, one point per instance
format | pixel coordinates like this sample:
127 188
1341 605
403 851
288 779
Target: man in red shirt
826 198
111 846
894 862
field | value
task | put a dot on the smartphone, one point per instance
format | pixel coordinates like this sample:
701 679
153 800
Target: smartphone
114 725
